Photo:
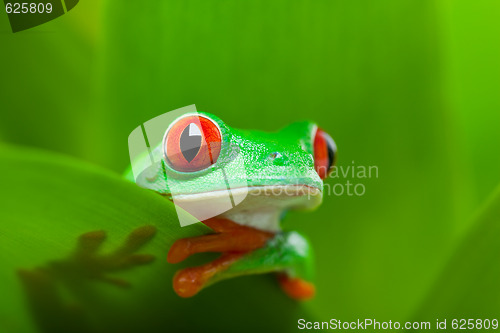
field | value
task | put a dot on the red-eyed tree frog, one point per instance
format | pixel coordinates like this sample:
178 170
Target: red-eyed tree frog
281 171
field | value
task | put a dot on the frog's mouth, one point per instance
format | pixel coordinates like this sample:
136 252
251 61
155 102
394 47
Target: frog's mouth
257 206
296 196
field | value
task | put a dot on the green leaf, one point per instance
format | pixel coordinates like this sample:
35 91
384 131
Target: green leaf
468 286
83 250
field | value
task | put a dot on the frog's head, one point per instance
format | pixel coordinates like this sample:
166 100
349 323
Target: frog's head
250 176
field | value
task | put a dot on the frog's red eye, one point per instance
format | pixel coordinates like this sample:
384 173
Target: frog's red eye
325 152
192 143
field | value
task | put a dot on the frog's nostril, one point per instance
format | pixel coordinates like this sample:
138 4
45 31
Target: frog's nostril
277 158
275 155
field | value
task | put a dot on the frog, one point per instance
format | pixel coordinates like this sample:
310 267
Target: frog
241 183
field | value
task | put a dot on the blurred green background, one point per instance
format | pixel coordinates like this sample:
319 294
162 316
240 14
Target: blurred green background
412 87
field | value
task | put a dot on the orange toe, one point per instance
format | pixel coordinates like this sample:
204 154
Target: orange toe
189 281
178 251
297 288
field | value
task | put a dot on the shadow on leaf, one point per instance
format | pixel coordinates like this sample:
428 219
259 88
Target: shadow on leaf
44 286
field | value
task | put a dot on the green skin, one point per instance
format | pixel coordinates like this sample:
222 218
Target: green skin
281 160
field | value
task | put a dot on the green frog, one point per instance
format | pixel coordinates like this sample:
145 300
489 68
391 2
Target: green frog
240 183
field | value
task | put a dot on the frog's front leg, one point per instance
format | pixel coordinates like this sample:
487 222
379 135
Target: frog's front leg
245 250
229 237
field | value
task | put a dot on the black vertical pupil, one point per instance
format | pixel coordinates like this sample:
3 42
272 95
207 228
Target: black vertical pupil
332 150
190 141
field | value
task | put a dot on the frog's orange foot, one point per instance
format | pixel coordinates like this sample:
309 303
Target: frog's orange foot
189 281
230 239
296 288
233 241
